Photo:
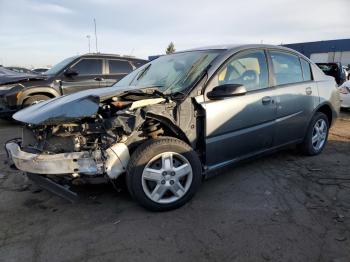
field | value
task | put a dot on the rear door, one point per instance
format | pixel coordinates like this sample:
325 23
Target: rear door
237 127
116 70
89 76
296 96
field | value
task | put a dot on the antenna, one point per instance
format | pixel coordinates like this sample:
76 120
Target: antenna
95 35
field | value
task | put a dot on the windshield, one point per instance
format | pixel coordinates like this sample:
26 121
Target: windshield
171 73
61 65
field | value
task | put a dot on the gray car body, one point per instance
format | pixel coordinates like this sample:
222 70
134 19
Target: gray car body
242 127
229 129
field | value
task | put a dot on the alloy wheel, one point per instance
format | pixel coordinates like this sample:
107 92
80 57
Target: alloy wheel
167 177
319 134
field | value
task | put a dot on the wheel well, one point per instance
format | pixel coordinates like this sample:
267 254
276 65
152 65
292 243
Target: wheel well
155 127
39 93
325 109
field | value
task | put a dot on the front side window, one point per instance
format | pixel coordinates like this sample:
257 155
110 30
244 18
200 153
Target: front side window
286 67
88 67
249 70
306 70
60 66
119 67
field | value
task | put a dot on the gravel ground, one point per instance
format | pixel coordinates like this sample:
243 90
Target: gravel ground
283 207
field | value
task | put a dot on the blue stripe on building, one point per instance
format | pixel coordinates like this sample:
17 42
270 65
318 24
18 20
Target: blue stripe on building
308 48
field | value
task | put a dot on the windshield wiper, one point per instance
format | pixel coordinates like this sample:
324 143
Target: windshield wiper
159 93
143 72
178 95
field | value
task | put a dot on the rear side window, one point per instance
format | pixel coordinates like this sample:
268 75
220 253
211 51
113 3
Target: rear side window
286 67
88 67
119 67
306 70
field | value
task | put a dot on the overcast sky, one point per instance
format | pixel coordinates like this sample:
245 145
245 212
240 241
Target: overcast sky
40 33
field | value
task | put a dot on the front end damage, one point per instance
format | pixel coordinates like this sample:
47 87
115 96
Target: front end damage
90 149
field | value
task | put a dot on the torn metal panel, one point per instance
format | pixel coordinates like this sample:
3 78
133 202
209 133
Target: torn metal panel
52 186
146 102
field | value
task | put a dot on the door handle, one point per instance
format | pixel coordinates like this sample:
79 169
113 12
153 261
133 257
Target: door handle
98 79
266 100
308 91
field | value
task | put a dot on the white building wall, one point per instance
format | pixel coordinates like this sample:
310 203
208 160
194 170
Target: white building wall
319 57
343 57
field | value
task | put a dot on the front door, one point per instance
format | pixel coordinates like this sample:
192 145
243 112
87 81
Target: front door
89 75
241 126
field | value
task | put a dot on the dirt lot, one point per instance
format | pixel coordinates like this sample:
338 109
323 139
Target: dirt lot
283 207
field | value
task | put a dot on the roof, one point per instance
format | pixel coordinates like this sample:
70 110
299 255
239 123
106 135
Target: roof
113 55
237 46
215 47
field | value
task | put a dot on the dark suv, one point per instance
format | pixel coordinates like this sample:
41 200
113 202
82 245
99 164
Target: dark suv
73 74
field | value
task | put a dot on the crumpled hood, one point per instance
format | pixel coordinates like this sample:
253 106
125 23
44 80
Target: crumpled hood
68 108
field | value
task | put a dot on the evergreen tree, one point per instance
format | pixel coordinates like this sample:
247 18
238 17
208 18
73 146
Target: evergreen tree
170 49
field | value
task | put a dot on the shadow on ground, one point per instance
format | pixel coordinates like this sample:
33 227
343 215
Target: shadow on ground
282 207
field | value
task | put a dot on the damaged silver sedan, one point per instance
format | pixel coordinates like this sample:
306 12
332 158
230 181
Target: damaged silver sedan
173 120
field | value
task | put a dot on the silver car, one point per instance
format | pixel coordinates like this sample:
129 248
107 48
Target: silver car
173 121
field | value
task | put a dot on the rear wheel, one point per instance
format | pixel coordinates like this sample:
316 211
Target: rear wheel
163 174
316 136
34 99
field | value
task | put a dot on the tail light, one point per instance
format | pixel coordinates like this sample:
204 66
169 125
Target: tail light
344 90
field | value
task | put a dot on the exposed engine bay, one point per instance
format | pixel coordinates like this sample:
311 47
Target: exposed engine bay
108 137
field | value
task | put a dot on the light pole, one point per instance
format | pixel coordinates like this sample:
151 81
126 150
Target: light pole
95 35
88 37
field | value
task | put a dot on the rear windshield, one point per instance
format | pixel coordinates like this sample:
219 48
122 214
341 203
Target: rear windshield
329 69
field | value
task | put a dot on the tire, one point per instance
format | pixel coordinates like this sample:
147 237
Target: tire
33 99
179 186
307 147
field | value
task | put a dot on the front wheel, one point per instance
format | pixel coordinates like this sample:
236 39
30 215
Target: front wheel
34 100
163 174
316 136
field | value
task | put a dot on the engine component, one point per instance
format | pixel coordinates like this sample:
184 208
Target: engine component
117 160
153 129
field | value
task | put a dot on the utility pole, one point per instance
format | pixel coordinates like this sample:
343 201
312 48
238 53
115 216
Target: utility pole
88 37
95 35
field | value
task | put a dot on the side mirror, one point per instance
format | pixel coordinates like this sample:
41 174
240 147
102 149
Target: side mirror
70 72
227 90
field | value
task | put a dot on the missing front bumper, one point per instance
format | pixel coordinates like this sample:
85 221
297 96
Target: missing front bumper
64 163
38 167
117 158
